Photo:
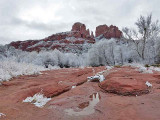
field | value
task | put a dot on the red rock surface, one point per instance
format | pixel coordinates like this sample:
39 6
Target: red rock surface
131 82
57 85
108 32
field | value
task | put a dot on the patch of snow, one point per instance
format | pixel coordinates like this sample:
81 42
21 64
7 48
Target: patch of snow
73 87
38 100
50 67
2 114
37 44
155 69
99 77
82 67
59 82
109 67
141 68
148 84
145 70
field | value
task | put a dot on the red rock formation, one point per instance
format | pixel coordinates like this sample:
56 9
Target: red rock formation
64 41
87 32
81 29
92 36
101 30
108 32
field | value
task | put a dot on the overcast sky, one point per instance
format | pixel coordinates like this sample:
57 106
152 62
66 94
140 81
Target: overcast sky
36 19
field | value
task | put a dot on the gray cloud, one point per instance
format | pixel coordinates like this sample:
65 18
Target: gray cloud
35 19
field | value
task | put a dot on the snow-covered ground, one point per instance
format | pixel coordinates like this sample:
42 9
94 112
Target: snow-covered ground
143 69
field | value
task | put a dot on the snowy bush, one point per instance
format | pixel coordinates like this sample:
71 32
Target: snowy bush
103 52
147 30
10 69
111 52
120 52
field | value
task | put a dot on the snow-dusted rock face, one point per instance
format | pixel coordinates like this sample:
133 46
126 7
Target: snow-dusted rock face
77 40
72 41
108 32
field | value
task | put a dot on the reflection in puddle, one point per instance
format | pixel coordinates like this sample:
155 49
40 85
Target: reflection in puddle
83 105
87 107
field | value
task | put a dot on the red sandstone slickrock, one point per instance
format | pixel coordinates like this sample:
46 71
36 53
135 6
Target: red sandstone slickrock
57 85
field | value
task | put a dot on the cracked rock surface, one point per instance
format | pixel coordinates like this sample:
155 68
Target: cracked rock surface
72 104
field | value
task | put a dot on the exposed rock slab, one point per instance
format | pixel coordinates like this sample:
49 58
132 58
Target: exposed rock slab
105 106
127 81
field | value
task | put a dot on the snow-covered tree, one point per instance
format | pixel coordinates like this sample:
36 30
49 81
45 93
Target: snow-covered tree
147 29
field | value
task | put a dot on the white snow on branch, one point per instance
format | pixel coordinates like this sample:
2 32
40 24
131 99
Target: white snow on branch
38 100
12 69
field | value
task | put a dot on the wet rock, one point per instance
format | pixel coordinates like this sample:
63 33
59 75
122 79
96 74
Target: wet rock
123 86
126 83
87 101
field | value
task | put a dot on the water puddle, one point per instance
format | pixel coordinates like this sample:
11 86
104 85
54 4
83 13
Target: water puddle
85 108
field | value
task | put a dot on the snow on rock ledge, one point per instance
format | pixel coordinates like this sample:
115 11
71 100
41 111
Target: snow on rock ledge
38 100
96 78
2 114
143 69
73 87
148 84
109 67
